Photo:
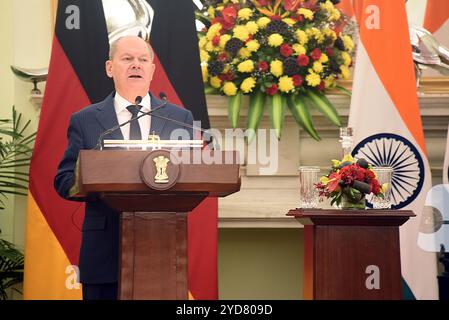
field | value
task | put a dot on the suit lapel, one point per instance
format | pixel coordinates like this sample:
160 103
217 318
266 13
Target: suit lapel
108 118
157 124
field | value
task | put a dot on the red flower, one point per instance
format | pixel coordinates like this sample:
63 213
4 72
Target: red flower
291 5
223 57
265 2
297 80
316 54
330 52
229 14
271 90
276 17
334 180
216 40
262 66
375 187
322 86
226 76
286 50
302 60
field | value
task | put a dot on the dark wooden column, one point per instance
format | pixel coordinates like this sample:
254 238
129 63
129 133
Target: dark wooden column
344 250
153 256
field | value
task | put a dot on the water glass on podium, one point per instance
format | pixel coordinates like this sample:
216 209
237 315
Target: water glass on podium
308 194
384 175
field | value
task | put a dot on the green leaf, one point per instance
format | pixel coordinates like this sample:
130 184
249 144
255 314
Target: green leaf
277 113
302 115
344 90
323 105
255 113
234 103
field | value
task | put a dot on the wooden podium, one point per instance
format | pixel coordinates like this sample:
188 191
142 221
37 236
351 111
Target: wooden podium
351 254
154 193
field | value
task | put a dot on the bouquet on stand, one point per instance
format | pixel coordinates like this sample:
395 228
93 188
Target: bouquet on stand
287 51
349 182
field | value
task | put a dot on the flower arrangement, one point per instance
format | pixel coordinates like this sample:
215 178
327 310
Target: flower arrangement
349 181
287 50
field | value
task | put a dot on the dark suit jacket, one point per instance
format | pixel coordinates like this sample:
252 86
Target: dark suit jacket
98 262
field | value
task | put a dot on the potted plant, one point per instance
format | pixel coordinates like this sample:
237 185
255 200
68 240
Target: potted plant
15 152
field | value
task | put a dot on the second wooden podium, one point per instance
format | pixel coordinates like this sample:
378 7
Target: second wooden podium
154 193
351 254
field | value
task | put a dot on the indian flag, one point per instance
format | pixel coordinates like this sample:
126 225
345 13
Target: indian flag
388 131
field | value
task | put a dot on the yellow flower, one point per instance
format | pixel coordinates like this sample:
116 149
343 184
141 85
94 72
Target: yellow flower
301 36
286 84
299 49
262 22
328 6
334 15
209 46
213 31
346 74
308 14
204 72
289 21
215 82
244 53
246 66
276 68
313 79
346 58
241 32
202 42
335 163
348 158
253 45
315 33
329 82
204 56
223 39
211 12
347 41
324 58
317 67
245 14
275 40
252 27
330 33
248 84
324 180
229 89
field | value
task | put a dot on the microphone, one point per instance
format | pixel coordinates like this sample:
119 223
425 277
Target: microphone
163 96
138 99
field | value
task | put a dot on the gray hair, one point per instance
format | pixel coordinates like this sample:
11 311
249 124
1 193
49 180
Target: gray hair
114 44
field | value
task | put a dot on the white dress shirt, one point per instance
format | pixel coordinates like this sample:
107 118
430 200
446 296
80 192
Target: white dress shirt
124 115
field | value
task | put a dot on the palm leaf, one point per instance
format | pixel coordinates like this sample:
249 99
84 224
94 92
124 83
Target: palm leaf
15 153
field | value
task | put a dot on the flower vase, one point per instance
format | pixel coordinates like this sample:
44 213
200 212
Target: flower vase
350 203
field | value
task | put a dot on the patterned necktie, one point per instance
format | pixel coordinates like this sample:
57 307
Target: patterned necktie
134 127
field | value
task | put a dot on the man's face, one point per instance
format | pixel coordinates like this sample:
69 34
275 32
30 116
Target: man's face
131 67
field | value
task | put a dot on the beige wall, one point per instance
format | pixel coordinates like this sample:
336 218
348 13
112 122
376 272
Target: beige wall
25 29
260 263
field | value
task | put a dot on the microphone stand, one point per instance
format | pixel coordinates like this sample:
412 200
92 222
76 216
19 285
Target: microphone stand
100 142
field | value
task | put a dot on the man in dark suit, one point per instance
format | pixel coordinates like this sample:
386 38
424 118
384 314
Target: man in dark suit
131 67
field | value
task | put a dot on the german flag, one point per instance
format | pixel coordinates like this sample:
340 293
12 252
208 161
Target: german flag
76 79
